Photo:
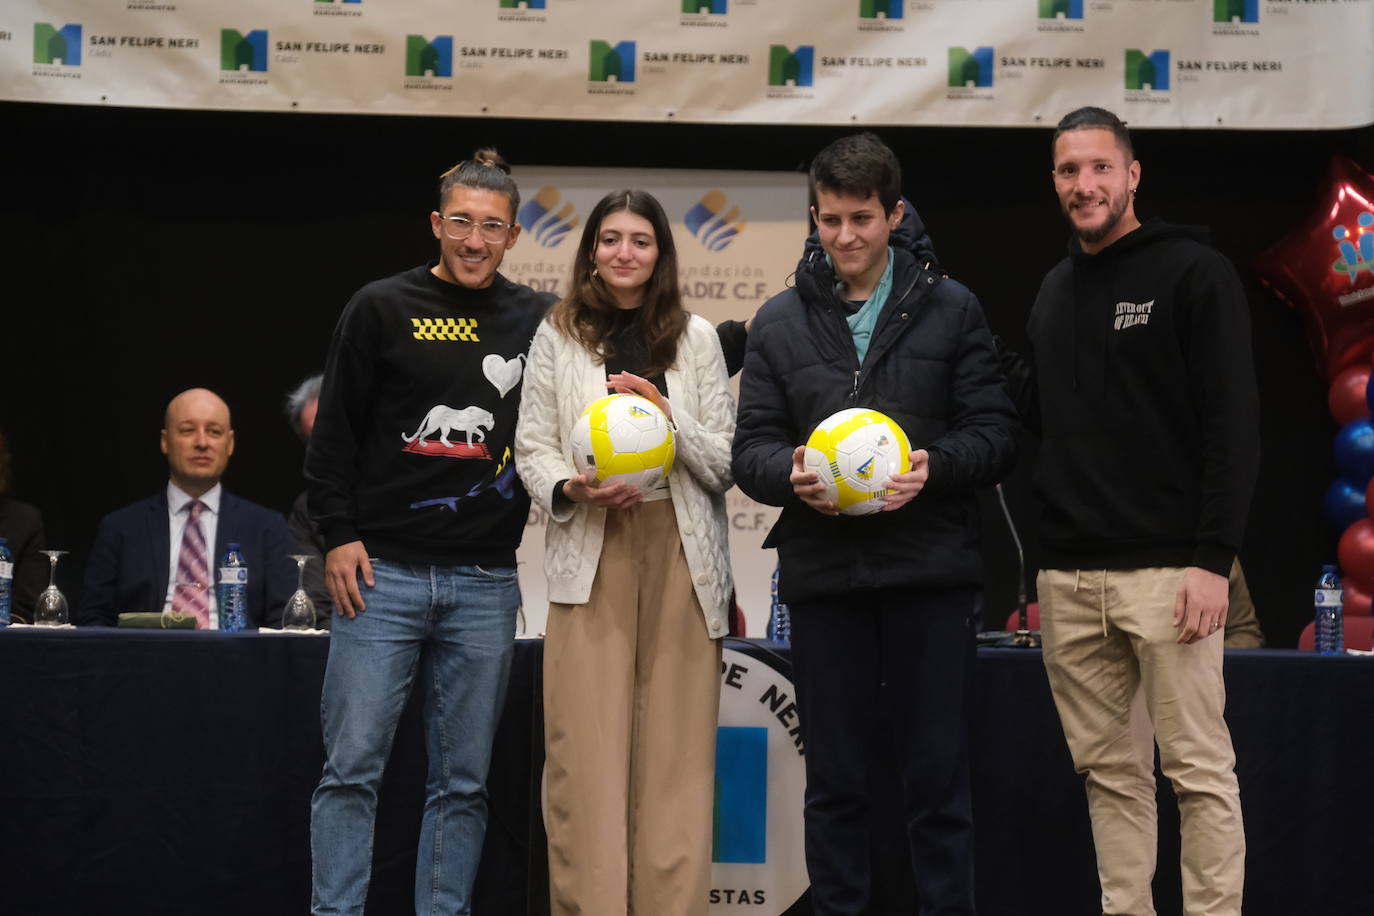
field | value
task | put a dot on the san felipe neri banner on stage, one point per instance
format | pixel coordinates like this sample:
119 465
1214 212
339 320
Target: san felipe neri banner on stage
1160 63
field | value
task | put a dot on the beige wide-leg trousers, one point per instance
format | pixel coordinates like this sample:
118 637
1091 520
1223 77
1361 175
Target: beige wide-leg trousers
1109 639
631 695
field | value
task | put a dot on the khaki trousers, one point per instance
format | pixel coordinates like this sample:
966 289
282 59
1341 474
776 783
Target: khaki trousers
1121 681
631 696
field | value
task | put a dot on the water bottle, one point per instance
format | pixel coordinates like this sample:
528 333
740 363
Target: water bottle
6 582
779 617
232 591
1330 624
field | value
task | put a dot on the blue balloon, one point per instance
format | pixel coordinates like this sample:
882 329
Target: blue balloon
1354 450
1344 504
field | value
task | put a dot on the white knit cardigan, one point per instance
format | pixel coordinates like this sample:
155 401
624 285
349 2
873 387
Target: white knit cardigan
561 379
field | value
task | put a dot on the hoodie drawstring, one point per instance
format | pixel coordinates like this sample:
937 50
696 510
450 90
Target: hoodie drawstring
1101 595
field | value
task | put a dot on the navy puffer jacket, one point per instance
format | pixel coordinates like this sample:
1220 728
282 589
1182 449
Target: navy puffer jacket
931 366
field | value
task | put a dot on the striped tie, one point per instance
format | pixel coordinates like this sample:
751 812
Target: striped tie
192 593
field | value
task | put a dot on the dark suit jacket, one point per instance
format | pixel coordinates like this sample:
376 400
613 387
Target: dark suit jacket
128 569
23 526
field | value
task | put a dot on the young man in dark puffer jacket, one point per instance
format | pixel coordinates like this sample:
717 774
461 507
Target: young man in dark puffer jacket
882 605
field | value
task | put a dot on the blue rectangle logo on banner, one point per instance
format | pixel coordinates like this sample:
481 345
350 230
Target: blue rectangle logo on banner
739 816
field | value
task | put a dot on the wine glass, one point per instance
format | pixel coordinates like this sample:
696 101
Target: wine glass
51 609
299 613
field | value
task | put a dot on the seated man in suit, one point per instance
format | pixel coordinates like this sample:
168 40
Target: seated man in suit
160 553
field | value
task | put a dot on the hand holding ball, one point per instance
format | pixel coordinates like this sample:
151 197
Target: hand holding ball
623 437
854 453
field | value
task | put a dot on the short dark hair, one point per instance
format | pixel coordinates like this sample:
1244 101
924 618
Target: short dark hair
485 171
857 166
1090 118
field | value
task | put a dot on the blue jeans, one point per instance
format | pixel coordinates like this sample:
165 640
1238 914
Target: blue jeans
464 616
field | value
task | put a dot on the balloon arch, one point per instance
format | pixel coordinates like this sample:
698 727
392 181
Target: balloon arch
1325 270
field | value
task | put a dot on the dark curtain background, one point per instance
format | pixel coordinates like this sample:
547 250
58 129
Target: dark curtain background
149 251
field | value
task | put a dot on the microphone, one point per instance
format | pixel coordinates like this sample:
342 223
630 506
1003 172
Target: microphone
1023 636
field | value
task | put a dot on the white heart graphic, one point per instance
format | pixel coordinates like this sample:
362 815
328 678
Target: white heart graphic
504 374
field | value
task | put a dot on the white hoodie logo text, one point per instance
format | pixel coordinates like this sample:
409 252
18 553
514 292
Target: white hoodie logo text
1130 314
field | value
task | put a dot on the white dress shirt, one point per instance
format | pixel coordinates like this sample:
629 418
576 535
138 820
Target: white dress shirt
178 511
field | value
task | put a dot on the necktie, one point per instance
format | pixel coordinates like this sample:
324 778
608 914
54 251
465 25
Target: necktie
192 594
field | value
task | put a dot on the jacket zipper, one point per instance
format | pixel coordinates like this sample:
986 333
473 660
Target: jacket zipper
854 392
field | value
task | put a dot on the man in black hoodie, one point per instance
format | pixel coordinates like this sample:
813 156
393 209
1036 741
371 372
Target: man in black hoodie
882 605
1148 417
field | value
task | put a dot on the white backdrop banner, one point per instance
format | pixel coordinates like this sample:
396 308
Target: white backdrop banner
739 236
1161 63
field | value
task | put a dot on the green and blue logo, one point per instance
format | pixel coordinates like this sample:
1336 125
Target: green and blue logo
713 221
523 4
880 9
1355 255
611 63
1147 71
1234 10
739 813
57 46
543 217
713 7
426 57
238 51
1061 9
970 68
787 67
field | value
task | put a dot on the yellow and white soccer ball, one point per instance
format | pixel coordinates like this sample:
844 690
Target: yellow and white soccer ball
623 437
854 452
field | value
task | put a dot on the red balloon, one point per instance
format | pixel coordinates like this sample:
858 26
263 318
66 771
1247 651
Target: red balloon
1346 396
1325 269
1355 552
1357 599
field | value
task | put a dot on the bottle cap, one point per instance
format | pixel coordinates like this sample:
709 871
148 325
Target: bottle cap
4 541
233 546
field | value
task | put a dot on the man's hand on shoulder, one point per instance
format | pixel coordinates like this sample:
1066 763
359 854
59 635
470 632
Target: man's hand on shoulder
341 566
807 485
902 488
1200 605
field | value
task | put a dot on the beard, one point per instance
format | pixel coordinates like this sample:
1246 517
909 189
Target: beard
1115 211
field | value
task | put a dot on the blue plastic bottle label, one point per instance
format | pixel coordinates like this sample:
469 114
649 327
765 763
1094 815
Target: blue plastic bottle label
1327 596
233 575
6 570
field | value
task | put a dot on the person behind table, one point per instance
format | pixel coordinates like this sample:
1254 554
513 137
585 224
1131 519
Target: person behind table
302 403
882 606
639 588
1144 398
22 526
412 483
160 554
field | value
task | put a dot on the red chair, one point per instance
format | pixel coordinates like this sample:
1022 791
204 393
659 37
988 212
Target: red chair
1359 634
1032 618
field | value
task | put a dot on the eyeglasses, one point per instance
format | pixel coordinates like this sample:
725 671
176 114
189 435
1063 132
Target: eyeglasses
460 227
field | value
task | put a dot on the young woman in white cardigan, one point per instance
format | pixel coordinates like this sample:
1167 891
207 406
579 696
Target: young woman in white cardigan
639 588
